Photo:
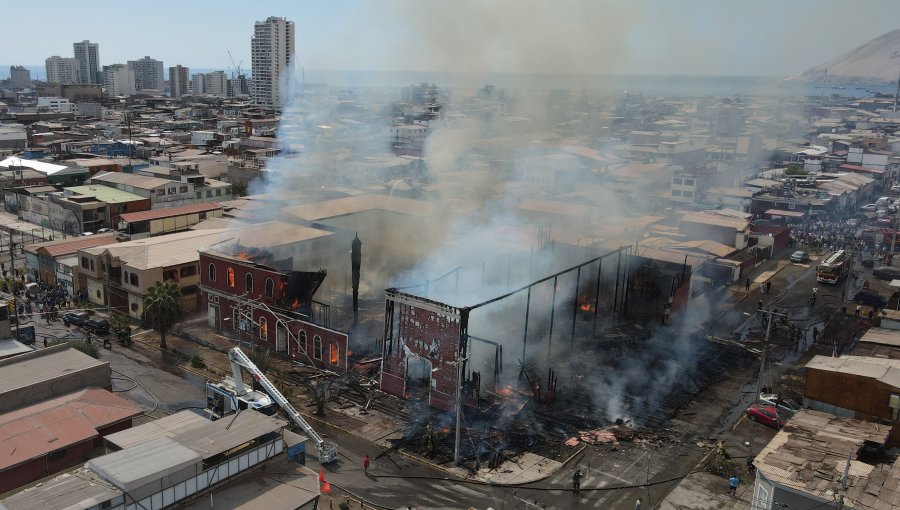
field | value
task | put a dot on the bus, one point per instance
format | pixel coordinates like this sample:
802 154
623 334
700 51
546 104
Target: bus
833 268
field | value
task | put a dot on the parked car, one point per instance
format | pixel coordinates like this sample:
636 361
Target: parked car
869 207
96 326
76 318
104 230
765 414
867 260
85 234
895 189
884 201
799 256
869 297
781 404
886 273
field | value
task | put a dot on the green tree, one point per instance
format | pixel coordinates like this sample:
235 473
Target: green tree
163 306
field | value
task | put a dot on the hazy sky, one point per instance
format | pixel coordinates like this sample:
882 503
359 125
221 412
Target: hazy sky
711 37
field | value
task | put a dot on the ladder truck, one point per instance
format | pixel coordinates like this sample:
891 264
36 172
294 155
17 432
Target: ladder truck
326 451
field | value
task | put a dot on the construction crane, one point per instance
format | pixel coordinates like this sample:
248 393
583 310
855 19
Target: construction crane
231 395
237 66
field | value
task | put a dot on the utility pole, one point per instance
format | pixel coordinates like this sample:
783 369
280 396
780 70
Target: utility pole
762 363
840 496
12 267
459 407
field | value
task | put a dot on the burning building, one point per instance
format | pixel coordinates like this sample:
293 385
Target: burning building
257 295
599 309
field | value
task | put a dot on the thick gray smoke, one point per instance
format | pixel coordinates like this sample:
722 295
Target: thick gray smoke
507 203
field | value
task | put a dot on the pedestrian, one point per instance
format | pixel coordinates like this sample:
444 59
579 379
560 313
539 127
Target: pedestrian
637 504
858 310
576 482
768 287
815 334
733 485
747 284
750 467
366 465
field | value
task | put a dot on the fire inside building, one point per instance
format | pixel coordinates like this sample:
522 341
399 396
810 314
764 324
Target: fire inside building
583 346
269 305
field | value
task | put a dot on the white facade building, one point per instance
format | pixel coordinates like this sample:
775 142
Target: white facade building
272 57
198 84
216 84
118 80
88 56
62 70
56 104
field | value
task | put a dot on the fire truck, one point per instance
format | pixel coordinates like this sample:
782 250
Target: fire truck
231 395
833 268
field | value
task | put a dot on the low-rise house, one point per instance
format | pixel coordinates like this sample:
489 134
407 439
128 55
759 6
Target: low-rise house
818 458
134 266
161 192
42 260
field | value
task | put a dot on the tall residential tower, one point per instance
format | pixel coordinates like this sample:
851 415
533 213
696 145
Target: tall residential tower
272 58
179 83
148 74
87 55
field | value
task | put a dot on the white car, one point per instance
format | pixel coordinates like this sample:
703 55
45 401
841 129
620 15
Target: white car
782 404
869 207
895 189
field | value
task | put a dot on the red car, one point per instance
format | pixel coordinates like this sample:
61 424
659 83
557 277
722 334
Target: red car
766 414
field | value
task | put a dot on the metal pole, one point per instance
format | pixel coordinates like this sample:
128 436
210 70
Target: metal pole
459 366
552 314
576 305
525 336
597 296
12 267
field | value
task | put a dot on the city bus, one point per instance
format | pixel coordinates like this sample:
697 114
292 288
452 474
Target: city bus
833 268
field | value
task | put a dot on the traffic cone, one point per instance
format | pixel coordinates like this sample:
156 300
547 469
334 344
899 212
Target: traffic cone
326 488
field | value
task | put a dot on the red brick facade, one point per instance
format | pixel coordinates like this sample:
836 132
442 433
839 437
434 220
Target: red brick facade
431 336
235 291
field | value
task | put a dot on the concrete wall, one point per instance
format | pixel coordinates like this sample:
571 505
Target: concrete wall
62 384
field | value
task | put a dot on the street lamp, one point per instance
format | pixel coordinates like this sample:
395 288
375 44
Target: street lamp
762 363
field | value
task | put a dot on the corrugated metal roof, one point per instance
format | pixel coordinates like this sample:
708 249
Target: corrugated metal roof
169 212
106 194
25 370
162 251
225 434
134 180
71 245
42 428
78 491
168 426
881 336
361 203
134 467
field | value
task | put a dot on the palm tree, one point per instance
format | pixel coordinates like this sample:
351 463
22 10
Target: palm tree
163 305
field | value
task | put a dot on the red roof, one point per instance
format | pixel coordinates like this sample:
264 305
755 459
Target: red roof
43 428
72 245
168 212
863 169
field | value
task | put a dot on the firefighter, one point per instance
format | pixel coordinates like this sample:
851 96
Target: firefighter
576 482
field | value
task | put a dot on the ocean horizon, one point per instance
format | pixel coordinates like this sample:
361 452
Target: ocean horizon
669 85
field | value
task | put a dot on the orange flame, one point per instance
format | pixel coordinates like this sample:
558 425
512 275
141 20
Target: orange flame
243 255
505 391
295 304
587 307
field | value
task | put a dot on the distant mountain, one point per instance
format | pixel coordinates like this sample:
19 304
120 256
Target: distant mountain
877 61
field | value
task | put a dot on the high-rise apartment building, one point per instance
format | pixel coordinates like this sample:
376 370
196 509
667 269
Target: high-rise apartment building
88 56
148 74
118 80
198 84
272 58
19 77
216 83
65 71
179 84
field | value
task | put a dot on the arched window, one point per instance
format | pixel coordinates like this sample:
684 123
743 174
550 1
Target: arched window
230 277
270 287
334 351
212 272
301 341
317 347
263 329
248 283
